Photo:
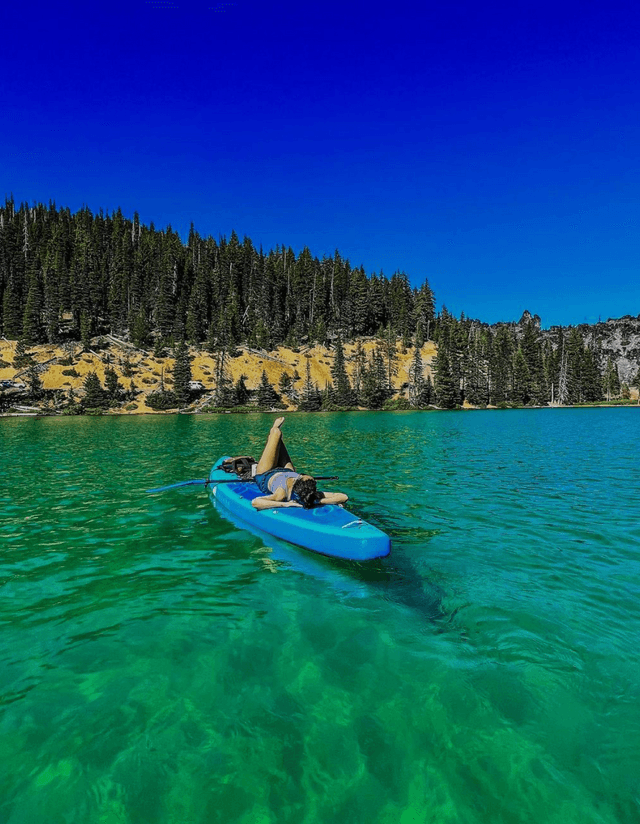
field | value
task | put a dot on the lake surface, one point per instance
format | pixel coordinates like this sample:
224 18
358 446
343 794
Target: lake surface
159 665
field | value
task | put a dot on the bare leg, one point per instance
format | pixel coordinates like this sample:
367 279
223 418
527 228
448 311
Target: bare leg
275 452
284 459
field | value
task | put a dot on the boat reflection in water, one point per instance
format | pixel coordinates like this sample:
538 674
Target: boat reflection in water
393 578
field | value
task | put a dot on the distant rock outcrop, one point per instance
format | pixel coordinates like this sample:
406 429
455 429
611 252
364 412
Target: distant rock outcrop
615 338
619 338
527 317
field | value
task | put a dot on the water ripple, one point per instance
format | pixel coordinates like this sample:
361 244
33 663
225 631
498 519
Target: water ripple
157 664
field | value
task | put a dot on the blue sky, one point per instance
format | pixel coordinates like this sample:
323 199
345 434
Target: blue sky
492 148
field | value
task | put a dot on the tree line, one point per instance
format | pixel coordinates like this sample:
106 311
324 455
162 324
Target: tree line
108 273
67 275
519 365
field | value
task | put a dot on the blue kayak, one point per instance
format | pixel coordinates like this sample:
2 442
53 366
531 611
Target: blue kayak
328 529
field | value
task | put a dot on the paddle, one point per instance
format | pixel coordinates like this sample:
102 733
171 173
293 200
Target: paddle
208 481
180 483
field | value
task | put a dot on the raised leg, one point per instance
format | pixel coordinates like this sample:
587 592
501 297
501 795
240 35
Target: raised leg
275 452
284 459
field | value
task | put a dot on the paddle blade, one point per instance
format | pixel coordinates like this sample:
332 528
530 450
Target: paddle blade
175 486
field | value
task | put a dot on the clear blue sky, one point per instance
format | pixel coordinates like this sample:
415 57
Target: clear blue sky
491 147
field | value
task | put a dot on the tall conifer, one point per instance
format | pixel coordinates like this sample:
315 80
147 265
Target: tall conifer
182 373
445 389
342 387
94 395
266 396
416 378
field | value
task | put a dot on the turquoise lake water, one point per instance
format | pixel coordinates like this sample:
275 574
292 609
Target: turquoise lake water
159 665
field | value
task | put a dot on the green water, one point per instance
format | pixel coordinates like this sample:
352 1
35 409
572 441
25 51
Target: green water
159 665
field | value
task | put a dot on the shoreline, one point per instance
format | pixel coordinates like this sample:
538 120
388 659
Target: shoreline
118 413
63 369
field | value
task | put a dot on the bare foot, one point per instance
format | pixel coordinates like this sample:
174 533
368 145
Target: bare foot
277 423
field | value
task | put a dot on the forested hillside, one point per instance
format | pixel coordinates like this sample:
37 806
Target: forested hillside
115 274
76 276
519 363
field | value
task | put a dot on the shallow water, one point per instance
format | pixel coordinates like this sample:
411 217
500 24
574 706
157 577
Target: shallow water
158 664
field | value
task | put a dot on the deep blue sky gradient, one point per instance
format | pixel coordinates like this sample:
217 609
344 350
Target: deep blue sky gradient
493 148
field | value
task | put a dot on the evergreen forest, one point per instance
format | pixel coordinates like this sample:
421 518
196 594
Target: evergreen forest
72 276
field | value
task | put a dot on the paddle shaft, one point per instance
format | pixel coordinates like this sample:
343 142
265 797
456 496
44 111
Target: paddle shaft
251 480
209 482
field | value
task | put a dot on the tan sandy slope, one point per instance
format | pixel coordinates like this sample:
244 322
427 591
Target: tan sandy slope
147 370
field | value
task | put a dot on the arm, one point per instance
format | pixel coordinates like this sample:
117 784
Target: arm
273 501
332 497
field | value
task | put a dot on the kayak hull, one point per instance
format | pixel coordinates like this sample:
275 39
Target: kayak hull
330 530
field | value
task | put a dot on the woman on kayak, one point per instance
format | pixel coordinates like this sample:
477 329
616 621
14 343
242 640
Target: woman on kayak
281 484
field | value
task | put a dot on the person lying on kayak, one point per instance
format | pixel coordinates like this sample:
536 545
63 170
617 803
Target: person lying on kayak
277 478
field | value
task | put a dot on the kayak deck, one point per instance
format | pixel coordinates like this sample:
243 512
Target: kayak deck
329 529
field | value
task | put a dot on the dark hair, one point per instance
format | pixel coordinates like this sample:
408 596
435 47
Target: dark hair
305 492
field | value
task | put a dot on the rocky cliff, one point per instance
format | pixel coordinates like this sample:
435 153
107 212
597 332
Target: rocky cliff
618 338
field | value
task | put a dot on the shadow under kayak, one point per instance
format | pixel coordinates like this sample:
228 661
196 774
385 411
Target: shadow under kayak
329 529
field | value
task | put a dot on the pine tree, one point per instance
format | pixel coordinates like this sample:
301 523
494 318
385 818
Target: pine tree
328 397
111 383
343 394
416 378
445 390
51 305
574 355
311 400
182 374
94 395
34 384
162 399
32 327
159 348
476 368
224 393
359 299
425 310
391 357
428 393
73 407
284 383
141 331
242 393
402 309
262 336
12 318
379 370
21 356
267 396
359 367
521 379
501 366
85 330
198 310
165 301
591 377
535 388
374 390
